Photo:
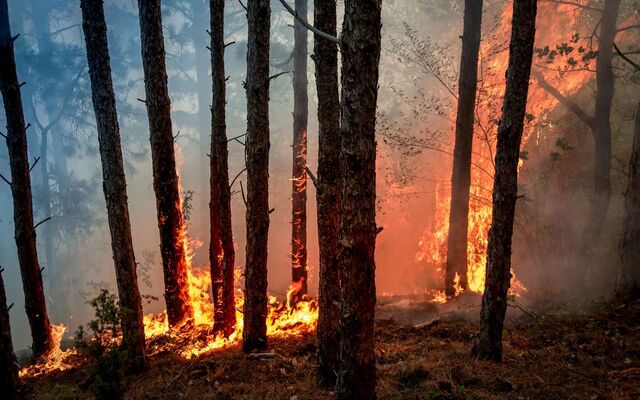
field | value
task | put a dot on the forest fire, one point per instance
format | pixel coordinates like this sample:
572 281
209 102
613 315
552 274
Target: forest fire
557 25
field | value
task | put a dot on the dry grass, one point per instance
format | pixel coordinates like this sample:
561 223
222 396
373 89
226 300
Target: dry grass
593 355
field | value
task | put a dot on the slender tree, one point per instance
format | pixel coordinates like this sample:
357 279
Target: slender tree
25 233
360 50
254 335
165 177
599 124
461 177
299 173
221 251
505 187
9 380
328 190
114 182
628 280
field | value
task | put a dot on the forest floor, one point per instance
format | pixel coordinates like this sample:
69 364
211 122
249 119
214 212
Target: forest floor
422 353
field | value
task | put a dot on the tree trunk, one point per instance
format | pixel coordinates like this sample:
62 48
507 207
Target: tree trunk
254 335
601 127
25 233
461 177
505 187
360 58
299 173
628 280
221 251
9 381
165 178
114 182
328 191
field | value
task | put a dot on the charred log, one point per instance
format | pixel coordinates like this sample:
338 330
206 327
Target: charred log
498 274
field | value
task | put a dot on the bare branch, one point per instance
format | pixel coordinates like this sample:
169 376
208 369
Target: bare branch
243 6
242 191
565 101
35 161
312 177
575 4
237 137
624 57
142 101
5 179
237 176
229 44
279 74
41 222
3 135
309 26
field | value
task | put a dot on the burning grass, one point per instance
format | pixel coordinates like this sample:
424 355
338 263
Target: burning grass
549 354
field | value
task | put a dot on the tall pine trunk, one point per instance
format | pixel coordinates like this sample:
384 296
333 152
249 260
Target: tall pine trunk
505 187
628 280
254 335
221 251
601 127
328 191
9 381
25 234
360 58
165 177
461 177
114 182
299 173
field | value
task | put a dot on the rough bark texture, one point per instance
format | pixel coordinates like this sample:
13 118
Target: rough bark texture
601 127
299 173
254 335
221 251
114 182
461 177
165 178
9 381
505 188
328 191
25 233
360 57
628 281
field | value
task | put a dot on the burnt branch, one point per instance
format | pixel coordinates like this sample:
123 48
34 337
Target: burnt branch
237 137
565 101
279 74
243 6
237 176
313 178
5 179
626 58
41 222
310 27
244 199
35 161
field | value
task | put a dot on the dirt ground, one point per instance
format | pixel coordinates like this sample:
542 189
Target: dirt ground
422 353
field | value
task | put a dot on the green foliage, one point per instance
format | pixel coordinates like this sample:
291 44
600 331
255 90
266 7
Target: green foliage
107 314
106 375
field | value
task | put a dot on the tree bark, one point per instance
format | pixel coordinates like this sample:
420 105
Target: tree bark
114 182
254 335
461 177
360 58
25 233
9 381
328 190
498 275
601 127
222 252
628 280
299 173
165 177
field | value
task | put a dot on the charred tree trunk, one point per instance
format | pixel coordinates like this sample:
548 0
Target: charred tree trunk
299 173
221 251
601 127
25 233
505 187
114 182
461 177
360 58
9 381
628 281
165 177
328 191
254 335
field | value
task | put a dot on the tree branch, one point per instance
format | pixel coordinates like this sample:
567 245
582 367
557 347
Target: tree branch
565 101
35 161
278 74
624 57
41 222
309 26
5 179
313 177
237 176
242 191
